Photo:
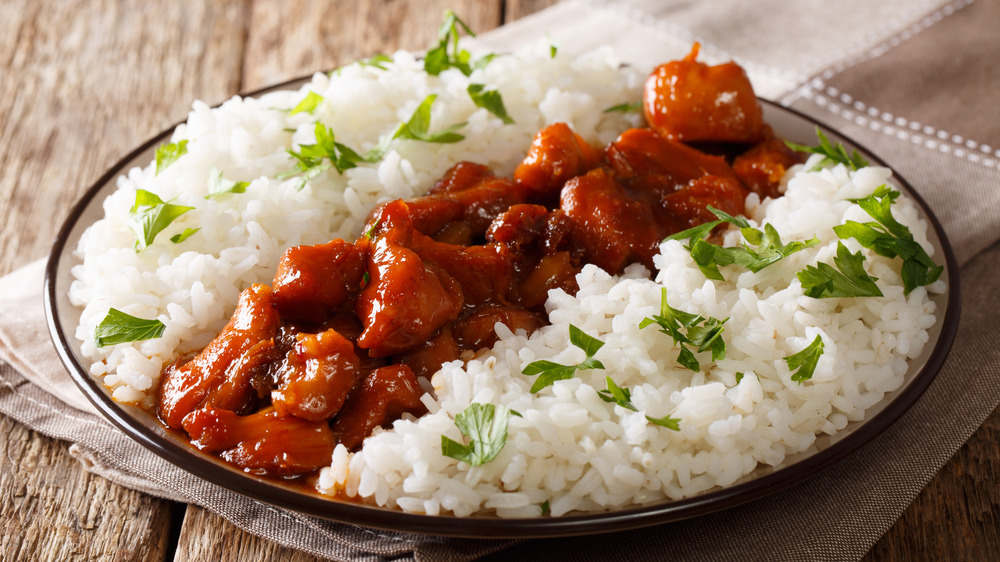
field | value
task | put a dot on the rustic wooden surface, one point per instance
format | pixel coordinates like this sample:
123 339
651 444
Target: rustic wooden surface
84 82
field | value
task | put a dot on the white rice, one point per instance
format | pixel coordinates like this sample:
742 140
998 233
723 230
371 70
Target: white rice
569 450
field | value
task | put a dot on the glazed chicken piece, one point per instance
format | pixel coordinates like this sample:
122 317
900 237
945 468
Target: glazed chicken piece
610 227
384 396
640 153
264 442
485 273
690 101
557 154
311 282
553 271
225 374
425 360
478 330
762 167
406 300
315 376
689 205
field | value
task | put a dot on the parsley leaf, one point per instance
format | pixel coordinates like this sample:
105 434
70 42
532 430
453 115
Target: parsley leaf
150 215
887 237
550 372
849 279
486 427
739 377
308 104
624 107
702 333
168 154
419 124
314 159
447 54
617 394
218 186
833 154
804 362
118 327
667 422
553 46
546 508
178 238
710 256
490 100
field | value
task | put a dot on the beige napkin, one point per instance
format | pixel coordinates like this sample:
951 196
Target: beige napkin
871 71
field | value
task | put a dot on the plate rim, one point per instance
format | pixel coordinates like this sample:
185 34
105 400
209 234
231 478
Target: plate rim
662 512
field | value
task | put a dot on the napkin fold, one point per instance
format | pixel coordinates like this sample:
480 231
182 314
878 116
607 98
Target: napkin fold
825 68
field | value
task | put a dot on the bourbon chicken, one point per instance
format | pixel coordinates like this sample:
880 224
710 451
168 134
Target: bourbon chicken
339 342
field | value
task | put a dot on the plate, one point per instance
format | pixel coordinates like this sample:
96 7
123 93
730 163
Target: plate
173 447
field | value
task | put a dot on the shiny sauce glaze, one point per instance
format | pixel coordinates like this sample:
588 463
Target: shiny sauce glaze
337 345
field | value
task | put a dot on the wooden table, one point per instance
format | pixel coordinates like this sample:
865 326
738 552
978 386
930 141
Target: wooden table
82 83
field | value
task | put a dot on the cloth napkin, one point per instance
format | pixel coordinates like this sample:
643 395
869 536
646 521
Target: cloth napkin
913 80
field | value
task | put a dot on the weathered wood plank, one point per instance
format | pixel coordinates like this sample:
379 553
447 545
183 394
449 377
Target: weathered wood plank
84 83
206 536
53 510
289 39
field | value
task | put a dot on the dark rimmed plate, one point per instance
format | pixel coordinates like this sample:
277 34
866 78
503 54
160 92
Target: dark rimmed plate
140 425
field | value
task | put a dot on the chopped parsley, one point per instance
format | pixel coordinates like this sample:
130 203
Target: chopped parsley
832 153
769 247
150 215
447 54
804 362
739 377
848 279
688 329
666 421
178 238
217 185
553 45
549 372
169 153
490 100
418 126
888 238
308 104
617 395
623 397
314 159
486 427
624 107
545 507
118 327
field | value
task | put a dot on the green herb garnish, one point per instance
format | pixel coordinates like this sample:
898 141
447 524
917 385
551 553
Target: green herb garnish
545 507
486 427
804 362
418 126
617 395
553 46
849 279
118 327
739 377
314 159
178 238
447 54
150 215
832 154
709 257
489 100
889 238
308 104
169 153
667 422
549 372
688 329
217 185
624 107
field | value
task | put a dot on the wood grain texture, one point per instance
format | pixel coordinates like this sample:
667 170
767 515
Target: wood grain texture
53 510
289 39
85 82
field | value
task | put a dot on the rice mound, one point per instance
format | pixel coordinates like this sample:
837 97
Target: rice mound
569 450
579 453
